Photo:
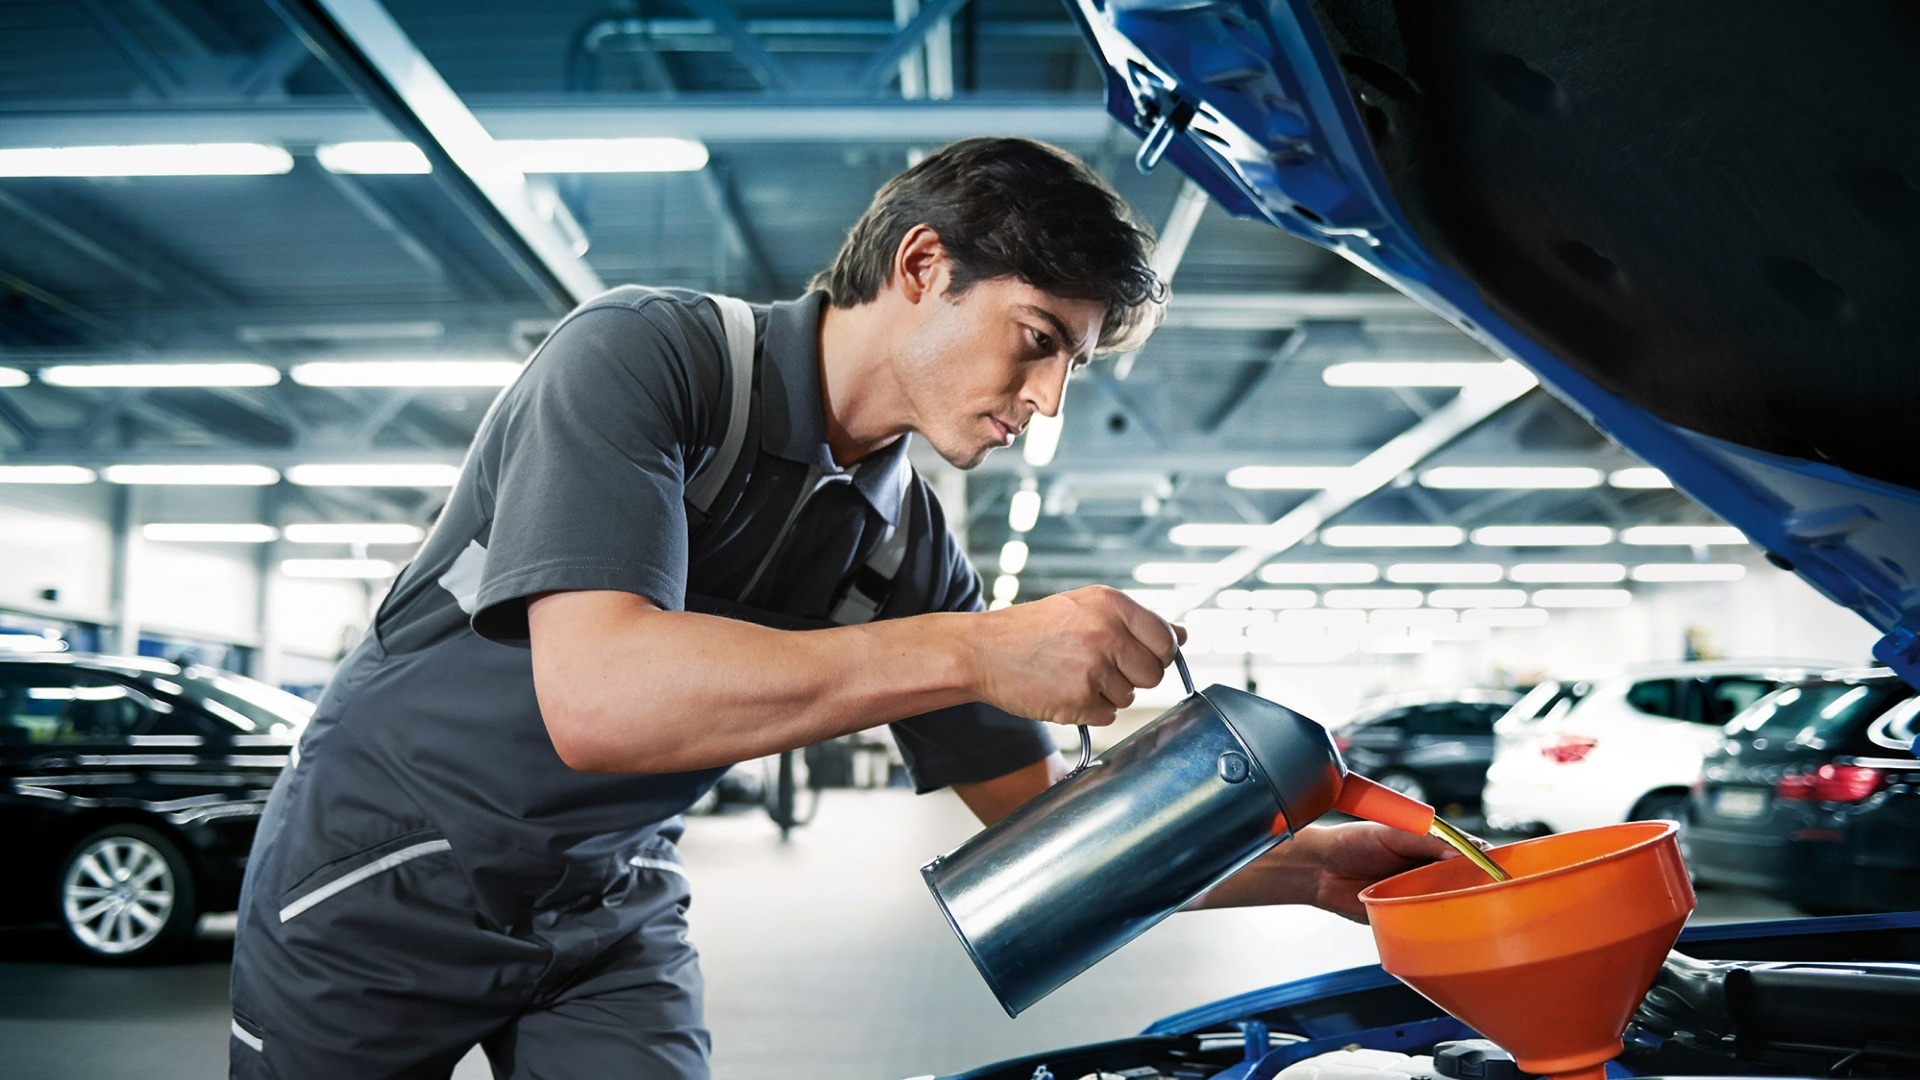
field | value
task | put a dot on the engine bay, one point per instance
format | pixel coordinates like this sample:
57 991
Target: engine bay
1803 998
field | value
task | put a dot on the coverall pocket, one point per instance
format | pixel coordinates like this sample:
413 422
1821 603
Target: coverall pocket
336 877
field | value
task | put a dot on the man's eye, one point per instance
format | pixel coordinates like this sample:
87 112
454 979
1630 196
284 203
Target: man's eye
1041 341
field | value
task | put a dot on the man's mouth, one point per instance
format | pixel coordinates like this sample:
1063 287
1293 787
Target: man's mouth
1006 431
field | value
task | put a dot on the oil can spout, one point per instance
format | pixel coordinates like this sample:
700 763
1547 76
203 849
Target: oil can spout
1363 798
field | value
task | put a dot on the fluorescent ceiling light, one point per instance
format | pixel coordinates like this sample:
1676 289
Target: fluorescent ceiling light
1567 573
1372 598
1508 478
1042 439
12 377
1443 573
1224 534
185 375
406 373
1582 598
1171 573
1398 645
378 158
210 533
1519 616
1266 599
1320 573
1013 556
45 474
1285 477
349 475
1420 617
1682 535
191 159
1321 619
1415 374
635 155
1006 587
1391 536
1458 632
1024 513
363 569
1542 535
245 475
1639 477
1689 572
355 533
1477 598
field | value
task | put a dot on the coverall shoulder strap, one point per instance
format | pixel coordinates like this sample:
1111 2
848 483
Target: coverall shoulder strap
736 322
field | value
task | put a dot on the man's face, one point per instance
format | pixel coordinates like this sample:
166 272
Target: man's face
977 367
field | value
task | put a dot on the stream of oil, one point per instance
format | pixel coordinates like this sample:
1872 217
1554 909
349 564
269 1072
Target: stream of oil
1465 846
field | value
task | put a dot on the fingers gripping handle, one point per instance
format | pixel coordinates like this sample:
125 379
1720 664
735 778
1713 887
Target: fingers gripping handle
1086 737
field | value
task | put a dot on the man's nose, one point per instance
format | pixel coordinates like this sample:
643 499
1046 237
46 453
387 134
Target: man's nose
1045 387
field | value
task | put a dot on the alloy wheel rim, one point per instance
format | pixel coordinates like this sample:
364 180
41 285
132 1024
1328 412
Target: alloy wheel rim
117 894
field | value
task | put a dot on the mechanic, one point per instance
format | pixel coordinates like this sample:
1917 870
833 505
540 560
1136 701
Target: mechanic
476 841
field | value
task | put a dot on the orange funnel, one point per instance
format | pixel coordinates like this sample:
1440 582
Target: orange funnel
1551 964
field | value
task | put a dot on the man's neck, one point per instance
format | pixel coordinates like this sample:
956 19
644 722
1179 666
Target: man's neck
859 399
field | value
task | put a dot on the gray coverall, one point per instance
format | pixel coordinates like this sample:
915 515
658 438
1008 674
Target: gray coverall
428 874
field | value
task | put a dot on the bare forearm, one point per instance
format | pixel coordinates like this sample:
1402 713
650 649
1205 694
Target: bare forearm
631 688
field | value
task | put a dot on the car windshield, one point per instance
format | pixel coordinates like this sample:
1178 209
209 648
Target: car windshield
253 707
1816 714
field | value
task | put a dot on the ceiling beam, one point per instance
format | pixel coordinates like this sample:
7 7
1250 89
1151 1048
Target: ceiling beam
1402 453
1071 121
362 44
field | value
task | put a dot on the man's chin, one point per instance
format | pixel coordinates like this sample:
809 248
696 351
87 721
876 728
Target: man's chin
967 459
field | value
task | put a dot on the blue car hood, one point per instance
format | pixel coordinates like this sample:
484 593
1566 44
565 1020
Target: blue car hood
1695 227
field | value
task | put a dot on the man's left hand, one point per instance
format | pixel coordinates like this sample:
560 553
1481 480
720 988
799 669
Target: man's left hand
1327 866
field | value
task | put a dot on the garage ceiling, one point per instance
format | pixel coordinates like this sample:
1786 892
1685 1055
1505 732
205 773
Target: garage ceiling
803 112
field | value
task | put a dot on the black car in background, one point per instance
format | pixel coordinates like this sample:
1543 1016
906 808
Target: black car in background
1434 747
1814 797
129 792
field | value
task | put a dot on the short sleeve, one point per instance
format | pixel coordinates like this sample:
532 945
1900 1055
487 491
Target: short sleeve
586 461
966 743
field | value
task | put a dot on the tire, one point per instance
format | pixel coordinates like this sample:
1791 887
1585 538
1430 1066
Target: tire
1661 806
126 894
1405 783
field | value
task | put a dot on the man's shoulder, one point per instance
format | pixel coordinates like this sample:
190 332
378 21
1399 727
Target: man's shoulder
683 306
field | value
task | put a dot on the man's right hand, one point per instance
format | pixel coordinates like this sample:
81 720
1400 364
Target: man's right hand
1072 658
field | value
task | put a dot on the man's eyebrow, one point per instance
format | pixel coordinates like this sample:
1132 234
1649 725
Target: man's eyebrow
1059 327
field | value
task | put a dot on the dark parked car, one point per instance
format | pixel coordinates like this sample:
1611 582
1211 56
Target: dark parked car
1434 747
1813 796
131 791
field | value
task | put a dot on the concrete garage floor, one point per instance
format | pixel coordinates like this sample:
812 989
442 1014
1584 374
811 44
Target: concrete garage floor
824 956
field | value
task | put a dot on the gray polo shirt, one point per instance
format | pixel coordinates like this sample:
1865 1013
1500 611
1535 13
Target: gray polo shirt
575 481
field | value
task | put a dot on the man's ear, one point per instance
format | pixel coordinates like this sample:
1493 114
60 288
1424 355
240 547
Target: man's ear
920 264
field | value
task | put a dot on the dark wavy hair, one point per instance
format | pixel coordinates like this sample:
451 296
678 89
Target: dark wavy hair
1011 208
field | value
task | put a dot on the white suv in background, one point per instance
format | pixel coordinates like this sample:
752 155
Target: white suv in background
1581 752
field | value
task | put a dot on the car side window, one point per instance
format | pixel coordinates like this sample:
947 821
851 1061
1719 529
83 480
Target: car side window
60 705
1448 721
1658 697
1722 699
1898 728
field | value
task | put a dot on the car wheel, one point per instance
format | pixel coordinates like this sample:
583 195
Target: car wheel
1661 806
1406 784
126 894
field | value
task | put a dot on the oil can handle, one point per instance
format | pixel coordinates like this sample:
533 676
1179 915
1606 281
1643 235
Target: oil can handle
1086 737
